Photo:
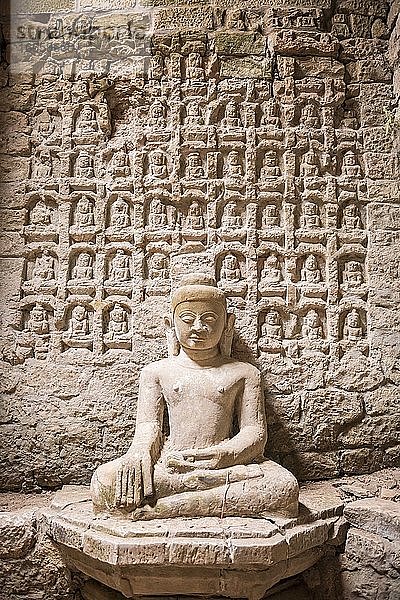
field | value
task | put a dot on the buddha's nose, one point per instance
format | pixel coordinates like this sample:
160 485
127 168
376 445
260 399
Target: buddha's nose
197 325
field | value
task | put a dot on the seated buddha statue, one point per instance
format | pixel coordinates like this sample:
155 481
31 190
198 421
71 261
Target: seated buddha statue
206 465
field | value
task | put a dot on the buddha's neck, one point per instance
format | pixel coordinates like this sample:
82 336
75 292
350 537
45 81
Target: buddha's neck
199 358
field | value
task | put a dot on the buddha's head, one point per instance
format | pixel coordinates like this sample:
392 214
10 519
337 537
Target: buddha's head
38 314
272 317
199 315
231 110
118 313
353 318
79 312
84 260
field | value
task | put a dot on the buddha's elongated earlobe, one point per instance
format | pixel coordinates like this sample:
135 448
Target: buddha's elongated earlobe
225 343
172 341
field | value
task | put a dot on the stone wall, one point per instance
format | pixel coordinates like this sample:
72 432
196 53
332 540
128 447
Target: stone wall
255 141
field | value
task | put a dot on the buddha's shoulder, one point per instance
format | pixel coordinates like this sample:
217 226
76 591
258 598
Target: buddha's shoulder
156 367
244 369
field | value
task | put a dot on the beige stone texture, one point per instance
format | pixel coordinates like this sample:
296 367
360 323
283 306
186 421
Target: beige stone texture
257 142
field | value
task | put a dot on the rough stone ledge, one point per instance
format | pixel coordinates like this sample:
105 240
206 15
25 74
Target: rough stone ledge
376 516
232 556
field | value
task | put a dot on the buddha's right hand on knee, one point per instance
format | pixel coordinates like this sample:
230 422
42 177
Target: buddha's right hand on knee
134 480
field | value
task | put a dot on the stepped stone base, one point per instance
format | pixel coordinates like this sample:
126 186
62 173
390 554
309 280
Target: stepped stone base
231 557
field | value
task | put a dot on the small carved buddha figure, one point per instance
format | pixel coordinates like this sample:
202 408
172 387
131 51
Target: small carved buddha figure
119 214
339 26
352 275
310 217
234 167
186 473
310 116
83 268
312 326
194 166
44 269
194 67
352 328
270 216
195 218
120 269
38 322
156 67
234 20
84 213
40 215
270 167
157 118
231 218
309 166
45 125
118 324
84 165
311 273
270 114
158 214
43 166
157 165
271 272
158 266
351 217
87 122
272 326
194 117
119 164
350 167
232 118
230 269
78 323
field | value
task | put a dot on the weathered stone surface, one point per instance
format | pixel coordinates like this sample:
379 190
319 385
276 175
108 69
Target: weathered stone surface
377 516
217 551
17 534
292 170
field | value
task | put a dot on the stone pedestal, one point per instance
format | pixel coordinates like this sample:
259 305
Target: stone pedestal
232 557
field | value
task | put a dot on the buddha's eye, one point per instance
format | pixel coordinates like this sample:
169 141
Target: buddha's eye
209 319
188 319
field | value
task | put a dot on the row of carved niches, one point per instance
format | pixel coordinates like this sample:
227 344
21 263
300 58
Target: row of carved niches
80 327
199 123
196 167
116 271
230 117
280 331
295 279
232 216
310 332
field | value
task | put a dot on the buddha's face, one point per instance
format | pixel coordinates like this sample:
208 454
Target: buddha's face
231 110
158 158
79 313
117 314
311 262
353 319
84 260
270 160
272 318
350 210
310 209
349 159
199 325
38 315
312 318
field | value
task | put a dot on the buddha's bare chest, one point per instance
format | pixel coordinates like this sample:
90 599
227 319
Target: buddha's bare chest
200 389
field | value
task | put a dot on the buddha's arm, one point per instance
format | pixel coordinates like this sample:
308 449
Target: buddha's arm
248 444
134 481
